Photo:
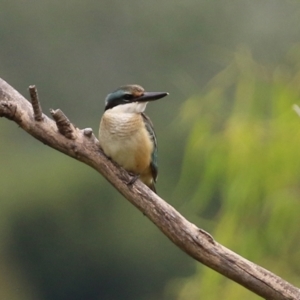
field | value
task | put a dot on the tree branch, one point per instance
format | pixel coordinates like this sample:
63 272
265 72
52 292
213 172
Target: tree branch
82 145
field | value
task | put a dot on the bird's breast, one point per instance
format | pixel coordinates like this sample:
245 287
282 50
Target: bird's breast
124 138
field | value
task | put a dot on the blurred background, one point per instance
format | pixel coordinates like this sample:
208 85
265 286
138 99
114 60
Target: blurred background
229 145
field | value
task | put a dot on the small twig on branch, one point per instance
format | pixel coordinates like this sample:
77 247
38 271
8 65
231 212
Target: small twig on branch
88 132
37 110
82 145
65 127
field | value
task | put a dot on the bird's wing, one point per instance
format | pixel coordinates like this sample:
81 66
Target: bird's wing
150 129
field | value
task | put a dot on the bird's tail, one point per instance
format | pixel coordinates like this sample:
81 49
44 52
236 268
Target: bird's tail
152 187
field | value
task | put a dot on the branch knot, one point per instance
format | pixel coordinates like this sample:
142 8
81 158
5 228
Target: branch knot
7 109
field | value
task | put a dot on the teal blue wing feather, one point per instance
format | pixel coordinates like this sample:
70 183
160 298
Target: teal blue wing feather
150 129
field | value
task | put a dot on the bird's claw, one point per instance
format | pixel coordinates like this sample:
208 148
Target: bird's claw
134 178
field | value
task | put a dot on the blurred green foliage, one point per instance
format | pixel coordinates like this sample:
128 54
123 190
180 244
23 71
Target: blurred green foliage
242 168
227 156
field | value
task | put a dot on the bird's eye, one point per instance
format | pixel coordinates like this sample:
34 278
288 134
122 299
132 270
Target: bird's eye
127 97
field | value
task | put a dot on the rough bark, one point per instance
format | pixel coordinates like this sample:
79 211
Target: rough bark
82 145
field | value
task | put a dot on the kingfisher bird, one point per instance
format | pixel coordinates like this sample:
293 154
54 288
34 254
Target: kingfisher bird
126 134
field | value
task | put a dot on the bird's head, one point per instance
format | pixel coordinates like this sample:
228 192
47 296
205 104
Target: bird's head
131 94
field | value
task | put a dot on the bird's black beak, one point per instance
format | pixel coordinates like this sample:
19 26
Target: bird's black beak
151 96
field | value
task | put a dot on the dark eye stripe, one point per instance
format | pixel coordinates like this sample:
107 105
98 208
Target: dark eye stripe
128 97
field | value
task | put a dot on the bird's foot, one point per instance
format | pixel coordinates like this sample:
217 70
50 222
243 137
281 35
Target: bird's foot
134 178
